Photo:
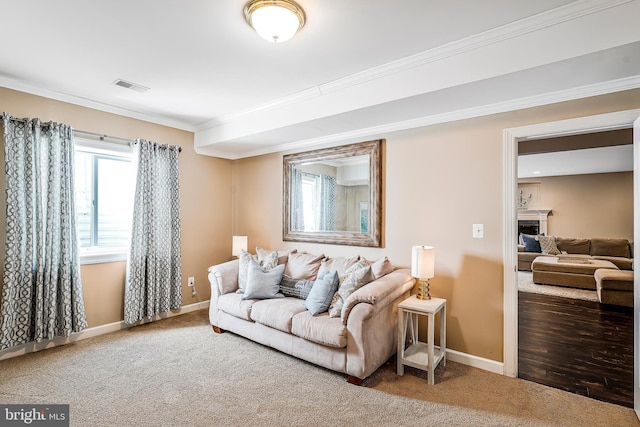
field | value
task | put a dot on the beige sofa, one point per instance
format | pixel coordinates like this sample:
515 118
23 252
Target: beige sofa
617 251
356 343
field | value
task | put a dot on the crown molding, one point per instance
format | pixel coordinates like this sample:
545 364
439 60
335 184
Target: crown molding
586 91
21 86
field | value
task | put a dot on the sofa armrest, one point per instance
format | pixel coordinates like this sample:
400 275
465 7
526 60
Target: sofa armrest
521 248
379 293
226 277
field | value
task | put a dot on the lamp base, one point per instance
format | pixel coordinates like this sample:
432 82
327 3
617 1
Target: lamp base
423 290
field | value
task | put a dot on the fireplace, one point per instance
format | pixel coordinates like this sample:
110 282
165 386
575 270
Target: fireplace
533 221
529 226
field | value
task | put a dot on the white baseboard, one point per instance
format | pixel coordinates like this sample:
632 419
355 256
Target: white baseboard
476 361
32 347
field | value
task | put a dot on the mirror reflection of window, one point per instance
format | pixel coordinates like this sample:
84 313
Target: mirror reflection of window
316 202
332 195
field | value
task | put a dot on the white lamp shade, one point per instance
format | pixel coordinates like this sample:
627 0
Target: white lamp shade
422 262
275 23
239 243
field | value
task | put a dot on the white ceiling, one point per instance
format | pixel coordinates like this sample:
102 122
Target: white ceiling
358 69
618 158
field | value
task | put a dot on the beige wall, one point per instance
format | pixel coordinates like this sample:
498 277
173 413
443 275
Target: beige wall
585 206
205 201
439 180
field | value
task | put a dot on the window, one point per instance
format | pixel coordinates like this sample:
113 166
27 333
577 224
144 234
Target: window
104 200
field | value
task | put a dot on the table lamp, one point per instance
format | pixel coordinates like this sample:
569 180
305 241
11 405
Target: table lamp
422 268
239 244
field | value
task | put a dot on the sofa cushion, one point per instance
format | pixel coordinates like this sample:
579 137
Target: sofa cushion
234 305
354 278
621 262
548 245
277 313
320 329
322 292
303 266
574 246
531 243
338 264
610 247
615 280
263 283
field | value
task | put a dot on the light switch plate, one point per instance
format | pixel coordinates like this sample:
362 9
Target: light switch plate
478 231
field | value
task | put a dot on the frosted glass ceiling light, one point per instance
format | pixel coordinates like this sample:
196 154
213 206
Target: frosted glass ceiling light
274 20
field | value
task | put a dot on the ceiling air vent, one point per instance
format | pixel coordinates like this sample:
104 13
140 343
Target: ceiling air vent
128 85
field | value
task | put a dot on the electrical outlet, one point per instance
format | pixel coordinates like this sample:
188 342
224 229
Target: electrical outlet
191 282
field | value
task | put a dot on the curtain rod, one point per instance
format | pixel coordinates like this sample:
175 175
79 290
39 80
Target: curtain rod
101 137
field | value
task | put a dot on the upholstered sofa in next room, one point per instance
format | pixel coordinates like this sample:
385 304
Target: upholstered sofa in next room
356 341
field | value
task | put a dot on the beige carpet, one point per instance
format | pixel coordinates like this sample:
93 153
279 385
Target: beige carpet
525 284
177 372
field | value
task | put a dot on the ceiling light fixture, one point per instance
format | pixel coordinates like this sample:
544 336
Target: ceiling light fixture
274 20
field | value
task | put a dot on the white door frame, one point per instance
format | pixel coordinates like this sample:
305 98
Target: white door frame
601 122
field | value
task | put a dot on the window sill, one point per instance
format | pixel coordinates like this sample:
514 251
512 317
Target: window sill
99 257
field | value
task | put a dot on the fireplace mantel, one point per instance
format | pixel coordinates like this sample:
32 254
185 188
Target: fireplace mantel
539 215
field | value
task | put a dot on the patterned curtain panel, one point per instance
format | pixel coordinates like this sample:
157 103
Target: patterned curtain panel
295 204
327 202
41 286
154 268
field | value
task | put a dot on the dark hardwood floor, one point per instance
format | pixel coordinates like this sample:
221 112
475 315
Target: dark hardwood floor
579 346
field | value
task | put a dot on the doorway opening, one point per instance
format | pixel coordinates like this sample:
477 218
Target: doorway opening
511 137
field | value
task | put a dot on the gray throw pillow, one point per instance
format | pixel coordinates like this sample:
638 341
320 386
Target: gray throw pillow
267 262
322 292
263 284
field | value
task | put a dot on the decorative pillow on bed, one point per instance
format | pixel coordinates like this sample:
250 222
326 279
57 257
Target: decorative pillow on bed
322 292
531 243
262 283
548 245
268 262
353 279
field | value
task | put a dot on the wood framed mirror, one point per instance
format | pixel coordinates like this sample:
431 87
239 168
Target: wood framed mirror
334 195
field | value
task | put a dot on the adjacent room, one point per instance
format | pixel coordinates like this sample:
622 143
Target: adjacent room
575 322
254 212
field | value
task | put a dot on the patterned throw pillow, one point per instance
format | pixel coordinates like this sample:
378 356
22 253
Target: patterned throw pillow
548 245
353 279
297 288
283 255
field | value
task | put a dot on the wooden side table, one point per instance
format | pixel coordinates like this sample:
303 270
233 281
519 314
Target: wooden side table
421 355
